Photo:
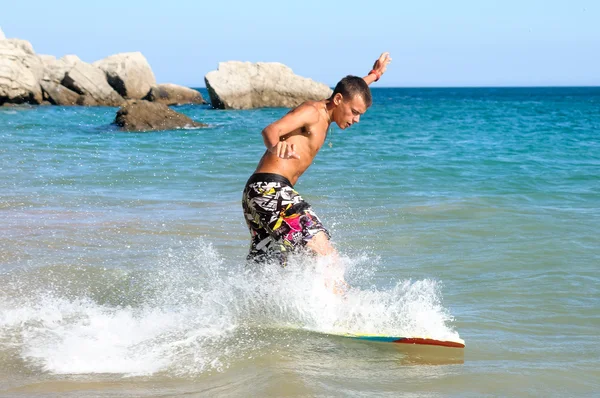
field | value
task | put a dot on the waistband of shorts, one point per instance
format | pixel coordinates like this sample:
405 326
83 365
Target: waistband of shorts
268 177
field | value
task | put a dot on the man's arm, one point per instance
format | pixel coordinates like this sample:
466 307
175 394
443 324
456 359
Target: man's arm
379 68
304 115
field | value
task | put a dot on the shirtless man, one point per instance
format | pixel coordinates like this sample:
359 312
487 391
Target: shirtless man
280 221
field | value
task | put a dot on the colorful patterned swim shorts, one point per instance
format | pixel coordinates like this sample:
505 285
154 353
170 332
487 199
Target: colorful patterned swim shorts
280 221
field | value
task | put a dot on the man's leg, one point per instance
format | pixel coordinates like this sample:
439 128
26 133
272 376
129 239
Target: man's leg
321 245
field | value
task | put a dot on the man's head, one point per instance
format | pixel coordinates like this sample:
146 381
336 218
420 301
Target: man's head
351 98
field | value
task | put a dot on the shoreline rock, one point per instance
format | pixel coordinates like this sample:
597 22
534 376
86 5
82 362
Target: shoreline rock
29 78
58 94
20 72
141 115
56 69
87 80
245 85
129 74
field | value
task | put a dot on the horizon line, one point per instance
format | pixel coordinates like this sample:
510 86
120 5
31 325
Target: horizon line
508 86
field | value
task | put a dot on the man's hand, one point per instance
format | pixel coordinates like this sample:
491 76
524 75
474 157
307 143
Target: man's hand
379 68
381 64
285 150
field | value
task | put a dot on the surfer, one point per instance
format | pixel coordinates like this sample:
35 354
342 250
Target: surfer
279 219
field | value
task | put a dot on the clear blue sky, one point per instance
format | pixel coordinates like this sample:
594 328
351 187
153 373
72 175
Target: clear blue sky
433 43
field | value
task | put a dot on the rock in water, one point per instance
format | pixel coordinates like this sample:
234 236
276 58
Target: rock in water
54 73
245 85
20 72
58 94
56 69
141 115
172 94
88 80
128 73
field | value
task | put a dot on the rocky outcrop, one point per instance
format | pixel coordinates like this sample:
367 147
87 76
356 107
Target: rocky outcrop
87 80
20 72
143 115
87 100
26 77
18 44
58 94
129 74
245 85
56 69
172 94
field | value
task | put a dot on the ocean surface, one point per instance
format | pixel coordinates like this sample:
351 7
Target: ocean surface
471 213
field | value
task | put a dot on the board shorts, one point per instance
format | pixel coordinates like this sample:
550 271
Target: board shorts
279 220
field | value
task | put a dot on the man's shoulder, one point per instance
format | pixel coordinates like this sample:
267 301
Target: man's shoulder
314 106
308 106
309 110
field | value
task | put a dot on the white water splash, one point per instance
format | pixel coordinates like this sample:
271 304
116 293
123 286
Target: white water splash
193 313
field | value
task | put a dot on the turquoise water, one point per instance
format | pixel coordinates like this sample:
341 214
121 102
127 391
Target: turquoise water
471 212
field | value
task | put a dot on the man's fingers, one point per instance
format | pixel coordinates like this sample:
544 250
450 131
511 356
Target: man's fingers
383 57
285 151
383 60
294 154
281 149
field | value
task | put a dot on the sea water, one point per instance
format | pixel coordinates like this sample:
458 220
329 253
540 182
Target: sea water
471 213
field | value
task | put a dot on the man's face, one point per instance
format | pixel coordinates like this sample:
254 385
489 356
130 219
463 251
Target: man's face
348 111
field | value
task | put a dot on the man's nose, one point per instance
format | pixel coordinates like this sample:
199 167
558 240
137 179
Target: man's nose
356 119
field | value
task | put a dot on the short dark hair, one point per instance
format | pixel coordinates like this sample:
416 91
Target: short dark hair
351 86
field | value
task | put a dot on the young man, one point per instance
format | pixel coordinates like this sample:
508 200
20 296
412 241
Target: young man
280 221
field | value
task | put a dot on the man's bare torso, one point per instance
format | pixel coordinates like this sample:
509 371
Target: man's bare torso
307 140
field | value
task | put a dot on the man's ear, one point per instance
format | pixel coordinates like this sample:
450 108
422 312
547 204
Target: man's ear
338 98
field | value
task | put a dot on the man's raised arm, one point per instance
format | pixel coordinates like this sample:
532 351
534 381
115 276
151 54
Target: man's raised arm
379 68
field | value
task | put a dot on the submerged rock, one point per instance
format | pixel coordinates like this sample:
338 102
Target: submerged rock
245 85
141 115
129 74
173 94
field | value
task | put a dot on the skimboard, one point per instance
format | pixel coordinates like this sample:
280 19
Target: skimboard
454 343
457 343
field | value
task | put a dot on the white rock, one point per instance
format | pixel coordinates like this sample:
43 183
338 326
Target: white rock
88 80
56 69
128 73
58 94
20 72
245 85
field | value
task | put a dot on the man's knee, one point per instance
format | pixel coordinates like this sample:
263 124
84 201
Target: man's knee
320 244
